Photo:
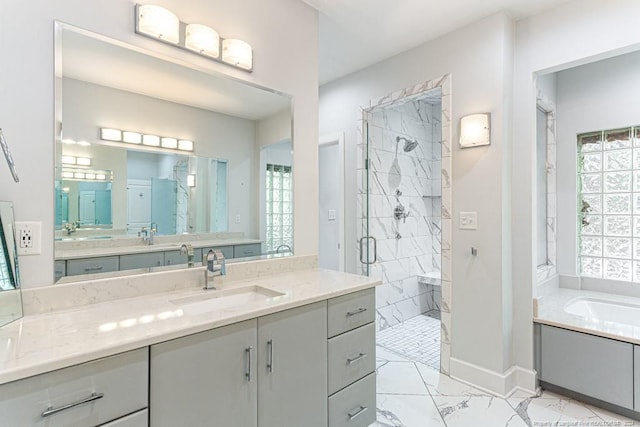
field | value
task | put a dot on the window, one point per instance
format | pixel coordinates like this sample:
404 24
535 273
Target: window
609 204
279 212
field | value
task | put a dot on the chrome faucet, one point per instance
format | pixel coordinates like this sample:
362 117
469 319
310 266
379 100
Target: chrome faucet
285 247
71 227
147 235
187 249
214 264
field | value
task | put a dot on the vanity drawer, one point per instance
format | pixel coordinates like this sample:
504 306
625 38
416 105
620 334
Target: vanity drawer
177 257
60 269
355 406
351 356
227 251
121 380
351 311
243 251
133 261
139 419
92 265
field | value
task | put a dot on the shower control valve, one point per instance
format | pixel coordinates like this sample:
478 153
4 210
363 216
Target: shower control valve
399 213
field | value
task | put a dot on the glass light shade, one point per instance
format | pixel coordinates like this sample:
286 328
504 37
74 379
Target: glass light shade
475 130
67 174
111 134
132 137
101 176
169 143
83 161
238 53
185 145
151 140
203 40
90 176
79 175
83 143
191 180
158 22
66 189
68 160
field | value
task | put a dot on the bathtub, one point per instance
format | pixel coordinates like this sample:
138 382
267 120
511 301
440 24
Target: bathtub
604 310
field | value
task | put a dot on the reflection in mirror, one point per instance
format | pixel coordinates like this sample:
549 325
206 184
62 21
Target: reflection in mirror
151 154
10 297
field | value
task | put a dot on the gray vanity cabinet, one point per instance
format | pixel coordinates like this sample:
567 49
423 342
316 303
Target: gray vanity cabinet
636 377
292 367
133 261
243 251
206 379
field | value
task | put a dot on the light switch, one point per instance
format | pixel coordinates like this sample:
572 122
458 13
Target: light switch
468 220
332 214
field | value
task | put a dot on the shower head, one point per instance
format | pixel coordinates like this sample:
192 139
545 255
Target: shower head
408 144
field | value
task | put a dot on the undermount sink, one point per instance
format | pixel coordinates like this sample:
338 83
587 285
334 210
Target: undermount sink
225 298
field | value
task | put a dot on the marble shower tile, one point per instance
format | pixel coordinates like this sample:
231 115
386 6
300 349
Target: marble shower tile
406 411
387 316
445 356
400 378
445 336
446 265
446 297
447 228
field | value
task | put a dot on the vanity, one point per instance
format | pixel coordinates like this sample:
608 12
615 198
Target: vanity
293 348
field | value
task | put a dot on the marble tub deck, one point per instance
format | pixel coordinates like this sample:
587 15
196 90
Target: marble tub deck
412 394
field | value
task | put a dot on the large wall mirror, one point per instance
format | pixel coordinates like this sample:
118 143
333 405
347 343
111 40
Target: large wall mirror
152 154
10 296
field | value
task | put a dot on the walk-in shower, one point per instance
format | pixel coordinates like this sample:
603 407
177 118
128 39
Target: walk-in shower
400 213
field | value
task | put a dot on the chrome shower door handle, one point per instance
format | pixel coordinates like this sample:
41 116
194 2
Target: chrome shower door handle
247 374
375 250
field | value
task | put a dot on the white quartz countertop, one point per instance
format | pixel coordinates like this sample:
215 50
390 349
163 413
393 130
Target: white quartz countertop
41 343
551 312
65 254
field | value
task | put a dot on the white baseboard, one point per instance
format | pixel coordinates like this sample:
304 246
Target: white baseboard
501 385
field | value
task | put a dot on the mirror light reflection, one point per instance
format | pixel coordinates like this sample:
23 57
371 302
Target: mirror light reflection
119 111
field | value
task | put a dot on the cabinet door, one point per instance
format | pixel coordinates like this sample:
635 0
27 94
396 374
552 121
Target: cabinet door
139 419
206 379
292 367
133 261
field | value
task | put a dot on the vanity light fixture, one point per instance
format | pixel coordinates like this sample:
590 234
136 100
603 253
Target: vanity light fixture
68 160
169 143
237 53
85 175
475 130
66 189
101 176
191 180
132 137
111 134
161 24
68 141
67 174
158 23
202 39
83 161
185 145
78 175
151 140
83 143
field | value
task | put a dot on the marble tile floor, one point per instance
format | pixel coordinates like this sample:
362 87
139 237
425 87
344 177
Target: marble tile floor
416 339
412 394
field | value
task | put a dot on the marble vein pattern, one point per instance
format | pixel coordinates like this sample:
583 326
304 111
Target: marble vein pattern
423 397
418 180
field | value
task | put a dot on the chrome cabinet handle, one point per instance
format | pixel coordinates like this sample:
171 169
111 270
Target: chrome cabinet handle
93 268
248 372
358 311
361 410
51 410
357 358
270 358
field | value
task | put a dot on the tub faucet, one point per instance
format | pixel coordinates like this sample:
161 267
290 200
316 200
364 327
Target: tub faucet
187 249
283 246
214 264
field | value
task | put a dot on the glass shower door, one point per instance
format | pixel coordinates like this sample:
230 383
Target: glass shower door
367 244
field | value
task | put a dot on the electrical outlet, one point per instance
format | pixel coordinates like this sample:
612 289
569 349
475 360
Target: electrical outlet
468 220
238 219
29 236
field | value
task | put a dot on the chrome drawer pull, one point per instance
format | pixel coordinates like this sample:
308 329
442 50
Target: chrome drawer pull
355 359
248 373
360 411
51 410
358 311
93 268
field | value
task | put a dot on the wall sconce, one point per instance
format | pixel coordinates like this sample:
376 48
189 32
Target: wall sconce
161 24
191 180
475 130
160 142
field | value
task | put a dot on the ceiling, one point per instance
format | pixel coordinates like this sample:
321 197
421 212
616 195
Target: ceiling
354 34
97 61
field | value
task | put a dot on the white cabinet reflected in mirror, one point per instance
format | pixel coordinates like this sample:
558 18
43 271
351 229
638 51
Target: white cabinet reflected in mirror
152 153
10 296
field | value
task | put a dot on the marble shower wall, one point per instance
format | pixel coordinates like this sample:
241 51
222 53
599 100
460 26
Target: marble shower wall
411 247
